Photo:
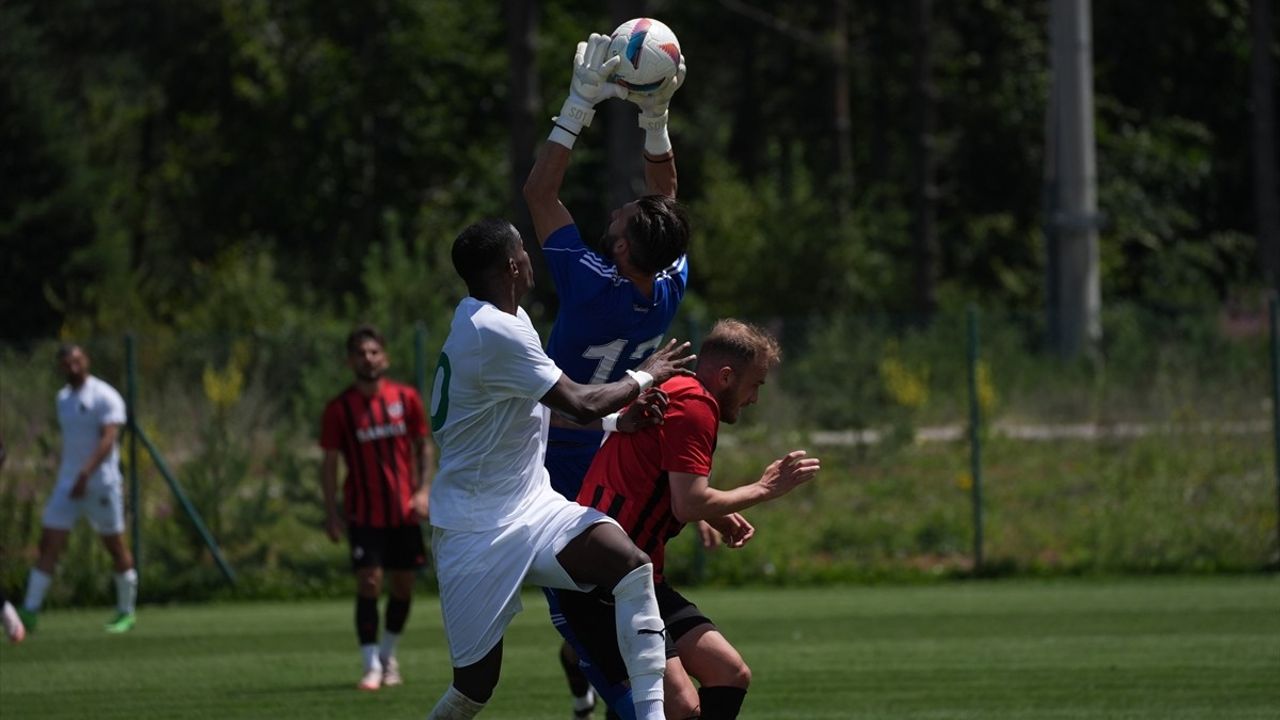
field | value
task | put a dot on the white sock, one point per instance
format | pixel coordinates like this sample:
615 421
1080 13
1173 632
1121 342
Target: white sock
585 701
641 639
37 585
370 655
127 591
455 706
649 710
387 649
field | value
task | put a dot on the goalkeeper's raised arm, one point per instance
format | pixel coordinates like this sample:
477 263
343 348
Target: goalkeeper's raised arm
587 88
660 160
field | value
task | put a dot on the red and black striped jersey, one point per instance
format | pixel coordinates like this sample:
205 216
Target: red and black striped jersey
375 436
628 479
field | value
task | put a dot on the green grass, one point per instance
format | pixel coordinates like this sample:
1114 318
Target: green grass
1149 648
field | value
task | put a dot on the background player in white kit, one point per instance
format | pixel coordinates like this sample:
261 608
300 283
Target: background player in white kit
90 414
497 522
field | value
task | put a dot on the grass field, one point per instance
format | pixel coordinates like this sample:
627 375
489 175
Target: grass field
1143 648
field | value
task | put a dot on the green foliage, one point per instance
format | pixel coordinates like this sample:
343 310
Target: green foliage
153 144
239 182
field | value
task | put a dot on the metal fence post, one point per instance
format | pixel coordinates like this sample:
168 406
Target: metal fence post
135 488
975 438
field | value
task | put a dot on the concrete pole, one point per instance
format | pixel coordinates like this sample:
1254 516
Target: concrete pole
1074 220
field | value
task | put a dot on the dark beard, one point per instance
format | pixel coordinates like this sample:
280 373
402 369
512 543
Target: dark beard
371 376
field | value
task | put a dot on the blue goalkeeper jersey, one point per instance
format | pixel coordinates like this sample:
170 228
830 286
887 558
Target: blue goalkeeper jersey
604 326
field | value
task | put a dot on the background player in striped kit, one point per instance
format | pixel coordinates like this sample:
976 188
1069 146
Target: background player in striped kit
617 297
379 428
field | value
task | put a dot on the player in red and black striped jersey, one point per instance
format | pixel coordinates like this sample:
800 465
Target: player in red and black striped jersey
654 481
379 429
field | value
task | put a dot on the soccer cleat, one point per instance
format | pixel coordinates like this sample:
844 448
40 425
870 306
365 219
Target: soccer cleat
391 672
371 680
122 623
29 618
13 625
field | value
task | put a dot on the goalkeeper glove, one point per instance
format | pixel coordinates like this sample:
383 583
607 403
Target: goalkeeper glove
590 85
653 111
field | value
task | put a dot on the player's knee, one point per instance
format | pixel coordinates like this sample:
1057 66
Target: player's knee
739 675
640 559
369 585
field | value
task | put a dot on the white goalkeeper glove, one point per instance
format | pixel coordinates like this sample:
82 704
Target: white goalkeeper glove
653 111
590 85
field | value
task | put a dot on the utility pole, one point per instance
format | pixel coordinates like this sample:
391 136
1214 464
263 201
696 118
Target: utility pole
1075 291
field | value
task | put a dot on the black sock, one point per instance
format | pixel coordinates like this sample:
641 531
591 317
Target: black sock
578 684
397 614
721 702
367 620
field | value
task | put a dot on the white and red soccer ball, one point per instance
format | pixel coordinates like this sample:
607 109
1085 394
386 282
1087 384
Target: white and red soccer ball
650 54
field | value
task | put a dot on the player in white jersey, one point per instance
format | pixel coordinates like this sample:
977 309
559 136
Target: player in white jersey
9 619
90 414
497 523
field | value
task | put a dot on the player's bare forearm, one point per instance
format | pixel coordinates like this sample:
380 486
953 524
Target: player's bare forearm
329 481
542 190
583 403
561 421
425 452
693 498
660 174
106 440
586 404
334 522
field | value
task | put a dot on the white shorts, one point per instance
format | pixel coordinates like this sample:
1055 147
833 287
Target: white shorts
481 572
102 503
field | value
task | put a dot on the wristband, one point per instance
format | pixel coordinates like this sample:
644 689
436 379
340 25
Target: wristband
610 422
643 378
575 114
562 135
656 139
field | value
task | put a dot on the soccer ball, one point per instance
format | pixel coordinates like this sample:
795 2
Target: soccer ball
650 54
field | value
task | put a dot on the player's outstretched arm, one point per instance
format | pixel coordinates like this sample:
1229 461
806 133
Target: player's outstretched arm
649 409
589 86
693 498
660 165
542 191
584 403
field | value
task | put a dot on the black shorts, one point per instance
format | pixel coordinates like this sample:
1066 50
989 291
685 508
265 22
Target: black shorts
397 548
590 616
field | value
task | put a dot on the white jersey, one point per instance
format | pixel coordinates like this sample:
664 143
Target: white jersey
82 413
486 417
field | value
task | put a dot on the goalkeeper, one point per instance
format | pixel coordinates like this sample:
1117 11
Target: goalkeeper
618 293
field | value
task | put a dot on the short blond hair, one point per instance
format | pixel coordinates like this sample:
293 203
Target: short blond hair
738 344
